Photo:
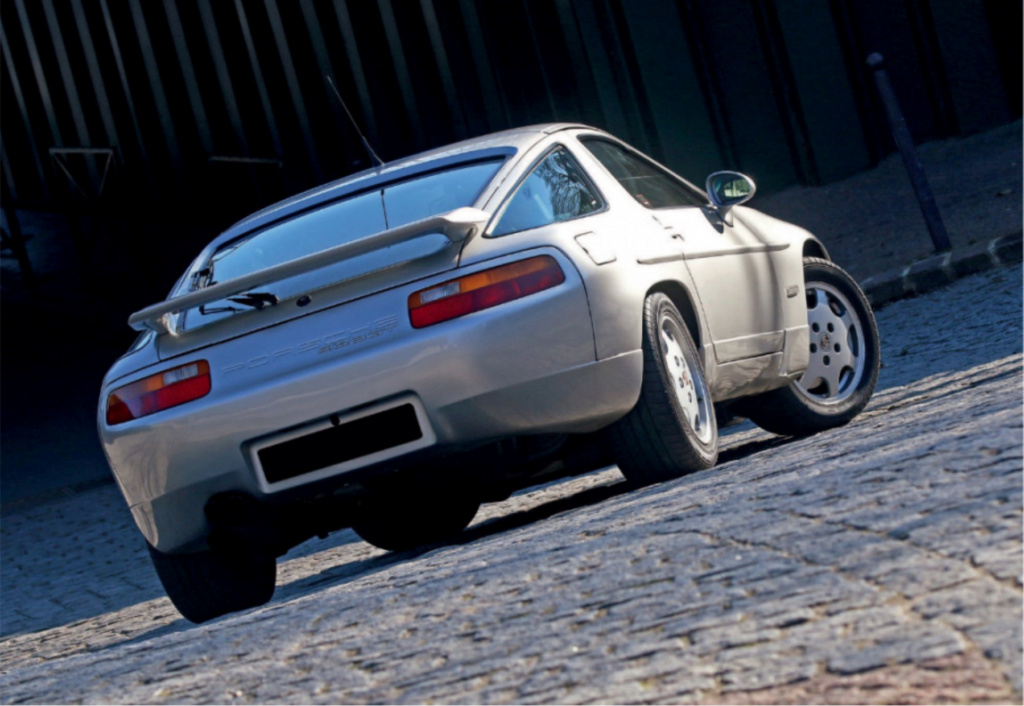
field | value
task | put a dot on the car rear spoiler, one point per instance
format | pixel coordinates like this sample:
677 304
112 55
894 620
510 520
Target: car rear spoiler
457 226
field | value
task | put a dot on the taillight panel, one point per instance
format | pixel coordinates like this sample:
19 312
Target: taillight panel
483 290
156 393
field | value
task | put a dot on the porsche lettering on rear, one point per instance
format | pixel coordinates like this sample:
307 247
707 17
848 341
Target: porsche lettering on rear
343 339
331 342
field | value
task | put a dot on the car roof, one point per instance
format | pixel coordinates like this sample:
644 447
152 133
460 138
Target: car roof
518 137
504 143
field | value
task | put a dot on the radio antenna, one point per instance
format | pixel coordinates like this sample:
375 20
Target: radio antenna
366 143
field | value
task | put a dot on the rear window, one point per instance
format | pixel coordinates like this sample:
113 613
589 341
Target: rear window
337 223
353 218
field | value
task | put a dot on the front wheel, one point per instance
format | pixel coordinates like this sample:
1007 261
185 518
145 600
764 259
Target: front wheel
671 431
845 358
208 584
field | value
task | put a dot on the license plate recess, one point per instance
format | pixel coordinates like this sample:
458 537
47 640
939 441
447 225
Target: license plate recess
340 444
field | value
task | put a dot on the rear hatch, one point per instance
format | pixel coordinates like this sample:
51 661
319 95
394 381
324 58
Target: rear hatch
321 258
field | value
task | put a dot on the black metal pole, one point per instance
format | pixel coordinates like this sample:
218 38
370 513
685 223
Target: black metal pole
900 133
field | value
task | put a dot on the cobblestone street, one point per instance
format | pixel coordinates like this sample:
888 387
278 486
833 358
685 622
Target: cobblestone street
878 562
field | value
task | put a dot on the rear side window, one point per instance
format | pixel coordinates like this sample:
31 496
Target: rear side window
649 184
556 190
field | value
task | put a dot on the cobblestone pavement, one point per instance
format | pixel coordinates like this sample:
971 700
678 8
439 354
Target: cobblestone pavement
880 562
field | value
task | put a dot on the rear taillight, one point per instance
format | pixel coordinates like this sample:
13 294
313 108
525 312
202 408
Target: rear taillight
158 392
482 290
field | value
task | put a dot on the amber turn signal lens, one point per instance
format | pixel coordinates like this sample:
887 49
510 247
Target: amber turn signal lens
158 392
483 290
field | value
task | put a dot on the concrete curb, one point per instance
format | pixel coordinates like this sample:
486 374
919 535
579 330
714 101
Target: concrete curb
940 270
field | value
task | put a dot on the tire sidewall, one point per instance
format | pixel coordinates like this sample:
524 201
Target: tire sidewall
824 272
662 306
208 584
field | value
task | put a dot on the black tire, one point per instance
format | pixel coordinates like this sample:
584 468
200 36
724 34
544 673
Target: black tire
207 584
848 360
407 521
667 435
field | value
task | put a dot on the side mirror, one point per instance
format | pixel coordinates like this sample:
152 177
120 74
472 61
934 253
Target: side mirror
728 189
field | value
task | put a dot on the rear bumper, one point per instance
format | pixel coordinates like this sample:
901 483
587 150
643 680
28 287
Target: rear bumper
175 519
524 367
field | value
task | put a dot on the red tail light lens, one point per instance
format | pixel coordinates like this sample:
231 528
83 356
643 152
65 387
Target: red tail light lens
158 392
482 290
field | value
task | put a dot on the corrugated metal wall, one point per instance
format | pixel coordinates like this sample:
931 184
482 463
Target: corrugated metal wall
198 101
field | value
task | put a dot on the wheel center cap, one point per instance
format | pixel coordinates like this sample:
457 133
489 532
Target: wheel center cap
825 342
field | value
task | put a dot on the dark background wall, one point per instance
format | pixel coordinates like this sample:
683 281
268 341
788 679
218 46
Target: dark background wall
131 130
209 102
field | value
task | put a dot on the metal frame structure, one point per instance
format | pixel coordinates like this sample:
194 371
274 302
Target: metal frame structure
170 84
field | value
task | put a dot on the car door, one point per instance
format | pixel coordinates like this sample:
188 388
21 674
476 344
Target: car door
729 263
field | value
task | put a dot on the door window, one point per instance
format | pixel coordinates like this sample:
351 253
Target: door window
646 182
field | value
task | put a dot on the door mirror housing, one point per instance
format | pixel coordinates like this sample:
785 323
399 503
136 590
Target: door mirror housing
728 189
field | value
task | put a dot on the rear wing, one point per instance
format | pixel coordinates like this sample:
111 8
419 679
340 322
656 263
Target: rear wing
457 226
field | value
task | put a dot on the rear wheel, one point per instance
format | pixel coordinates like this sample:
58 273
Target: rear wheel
672 430
397 523
208 584
844 359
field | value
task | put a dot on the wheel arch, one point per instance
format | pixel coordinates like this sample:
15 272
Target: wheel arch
814 248
684 303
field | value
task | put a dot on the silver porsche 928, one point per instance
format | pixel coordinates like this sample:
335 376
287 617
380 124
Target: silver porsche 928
390 350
